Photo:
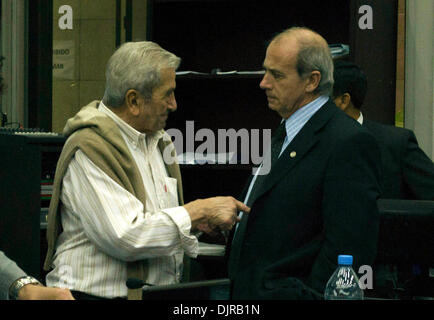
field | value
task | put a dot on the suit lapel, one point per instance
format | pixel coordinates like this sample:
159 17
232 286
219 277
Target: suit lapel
302 143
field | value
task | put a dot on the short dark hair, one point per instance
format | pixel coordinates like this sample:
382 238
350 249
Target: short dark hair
349 78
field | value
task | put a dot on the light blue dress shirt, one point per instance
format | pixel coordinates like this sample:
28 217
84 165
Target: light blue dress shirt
293 126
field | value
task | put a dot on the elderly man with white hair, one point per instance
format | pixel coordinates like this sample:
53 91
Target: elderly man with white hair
117 210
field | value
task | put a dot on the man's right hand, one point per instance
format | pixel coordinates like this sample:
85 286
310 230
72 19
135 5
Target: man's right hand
221 212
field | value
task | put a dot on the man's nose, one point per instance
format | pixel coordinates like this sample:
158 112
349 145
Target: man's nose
264 84
172 106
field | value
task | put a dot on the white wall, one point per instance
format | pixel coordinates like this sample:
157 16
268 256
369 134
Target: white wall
14 70
419 72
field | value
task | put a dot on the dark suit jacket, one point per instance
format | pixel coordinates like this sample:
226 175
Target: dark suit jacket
312 207
407 172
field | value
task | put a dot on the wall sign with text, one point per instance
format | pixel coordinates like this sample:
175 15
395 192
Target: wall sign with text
63 60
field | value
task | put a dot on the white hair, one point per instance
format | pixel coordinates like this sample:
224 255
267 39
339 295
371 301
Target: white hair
311 58
136 65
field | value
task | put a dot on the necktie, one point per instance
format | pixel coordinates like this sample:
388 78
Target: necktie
276 147
277 142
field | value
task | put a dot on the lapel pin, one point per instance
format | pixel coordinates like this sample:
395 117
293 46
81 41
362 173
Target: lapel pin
293 154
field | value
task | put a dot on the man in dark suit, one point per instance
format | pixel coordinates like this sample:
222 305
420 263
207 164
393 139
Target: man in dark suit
319 198
407 172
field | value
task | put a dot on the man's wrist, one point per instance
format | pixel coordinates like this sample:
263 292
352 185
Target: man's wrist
196 211
18 288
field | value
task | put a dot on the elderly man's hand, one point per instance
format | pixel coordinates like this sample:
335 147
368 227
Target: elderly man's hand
39 292
221 212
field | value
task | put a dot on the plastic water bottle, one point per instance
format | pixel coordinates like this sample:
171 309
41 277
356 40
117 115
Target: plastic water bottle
344 283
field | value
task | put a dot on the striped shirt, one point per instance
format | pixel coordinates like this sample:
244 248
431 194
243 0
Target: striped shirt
104 225
297 121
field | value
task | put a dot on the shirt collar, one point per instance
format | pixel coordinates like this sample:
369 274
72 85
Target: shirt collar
299 118
360 119
130 133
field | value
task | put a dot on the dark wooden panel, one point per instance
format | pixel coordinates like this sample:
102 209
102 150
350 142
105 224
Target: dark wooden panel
233 34
375 51
40 63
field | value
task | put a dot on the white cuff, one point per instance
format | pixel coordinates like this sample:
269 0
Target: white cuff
181 218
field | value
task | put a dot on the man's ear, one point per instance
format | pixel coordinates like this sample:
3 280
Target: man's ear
343 101
313 81
131 101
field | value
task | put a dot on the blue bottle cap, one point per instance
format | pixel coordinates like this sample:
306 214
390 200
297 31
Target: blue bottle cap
346 260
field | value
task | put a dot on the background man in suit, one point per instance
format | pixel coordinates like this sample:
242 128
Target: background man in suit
407 172
319 199
16 284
